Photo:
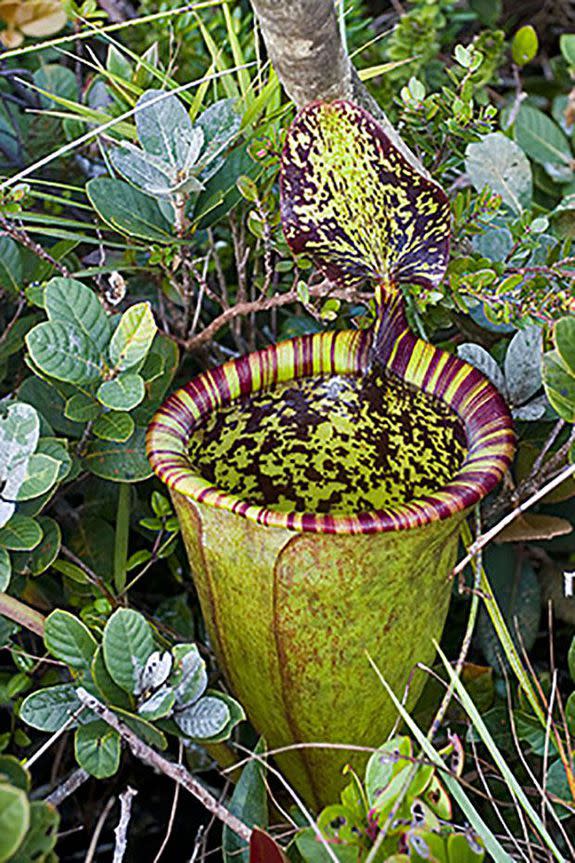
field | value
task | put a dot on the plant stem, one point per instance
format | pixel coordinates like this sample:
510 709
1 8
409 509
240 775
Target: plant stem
483 540
22 614
323 289
122 536
121 830
177 772
20 236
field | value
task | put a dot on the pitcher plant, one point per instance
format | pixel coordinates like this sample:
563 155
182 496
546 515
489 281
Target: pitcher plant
321 483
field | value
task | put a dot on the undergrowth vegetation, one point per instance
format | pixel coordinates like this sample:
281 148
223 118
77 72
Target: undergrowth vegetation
140 243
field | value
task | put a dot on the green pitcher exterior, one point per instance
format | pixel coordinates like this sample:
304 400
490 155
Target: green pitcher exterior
296 604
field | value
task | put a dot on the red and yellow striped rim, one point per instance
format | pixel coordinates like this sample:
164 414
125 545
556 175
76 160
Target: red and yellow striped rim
483 412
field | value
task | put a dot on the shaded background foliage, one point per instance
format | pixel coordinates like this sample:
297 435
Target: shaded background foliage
180 263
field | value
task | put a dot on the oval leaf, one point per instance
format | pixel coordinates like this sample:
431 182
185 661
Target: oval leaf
50 708
133 337
64 352
128 210
128 643
14 819
69 639
97 749
502 166
204 719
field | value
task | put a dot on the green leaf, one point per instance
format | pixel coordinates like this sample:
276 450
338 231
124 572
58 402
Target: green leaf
571 660
122 393
143 728
56 448
19 435
153 366
41 474
97 749
565 342
167 352
5 570
119 462
22 533
57 80
164 127
525 45
42 834
127 643
13 772
118 64
385 764
559 385
161 506
522 364
312 851
114 426
14 819
220 124
247 188
70 640
460 850
7 629
249 803
72 302
151 174
477 356
143 555
93 542
82 408
570 713
45 553
50 403
133 337
128 210
189 677
542 139
221 193
203 719
64 352
50 708
556 783
13 339
158 705
500 164
567 46
71 571
110 692
11 272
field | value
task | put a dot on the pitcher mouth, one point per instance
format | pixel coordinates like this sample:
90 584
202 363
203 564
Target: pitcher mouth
481 409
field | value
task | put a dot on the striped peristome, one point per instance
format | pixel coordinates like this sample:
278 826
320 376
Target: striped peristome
481 409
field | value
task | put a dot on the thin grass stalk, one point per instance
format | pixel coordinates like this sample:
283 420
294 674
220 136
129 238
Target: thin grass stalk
492 844
512 783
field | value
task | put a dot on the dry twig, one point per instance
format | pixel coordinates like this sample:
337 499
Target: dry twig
323 289
486 538
68 787
176 772
121 831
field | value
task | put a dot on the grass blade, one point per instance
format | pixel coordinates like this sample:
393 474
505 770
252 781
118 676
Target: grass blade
492 844
513 785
